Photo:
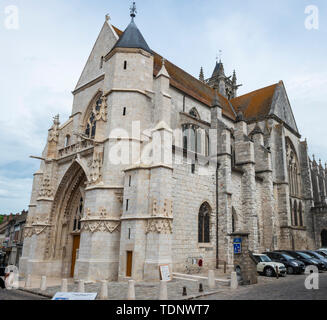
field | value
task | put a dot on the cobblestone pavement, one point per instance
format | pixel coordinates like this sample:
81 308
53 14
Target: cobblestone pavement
143 290
18 295
289 288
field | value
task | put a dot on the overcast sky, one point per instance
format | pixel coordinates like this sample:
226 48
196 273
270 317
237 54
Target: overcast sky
40 63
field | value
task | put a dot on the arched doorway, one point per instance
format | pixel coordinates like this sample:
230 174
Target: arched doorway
324 238
66 215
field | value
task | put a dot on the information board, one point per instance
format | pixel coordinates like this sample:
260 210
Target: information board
165 273
74 296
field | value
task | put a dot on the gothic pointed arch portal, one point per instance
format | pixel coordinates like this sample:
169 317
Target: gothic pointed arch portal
66 215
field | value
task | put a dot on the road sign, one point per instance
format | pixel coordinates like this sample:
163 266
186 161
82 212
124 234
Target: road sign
237 248
238 240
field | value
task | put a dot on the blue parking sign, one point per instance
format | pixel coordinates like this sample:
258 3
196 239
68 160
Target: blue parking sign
237 248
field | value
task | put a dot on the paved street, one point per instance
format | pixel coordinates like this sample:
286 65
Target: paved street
18 295
289 288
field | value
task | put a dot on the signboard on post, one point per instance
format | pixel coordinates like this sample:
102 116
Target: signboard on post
237 245
69 296
165 273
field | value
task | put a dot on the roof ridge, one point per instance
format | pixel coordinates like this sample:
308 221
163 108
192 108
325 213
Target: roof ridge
254 91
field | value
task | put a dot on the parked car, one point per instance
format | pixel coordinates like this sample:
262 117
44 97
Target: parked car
316 256
293 266
323 253
306 259
268 267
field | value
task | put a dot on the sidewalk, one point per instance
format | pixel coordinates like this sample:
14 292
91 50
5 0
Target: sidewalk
143 290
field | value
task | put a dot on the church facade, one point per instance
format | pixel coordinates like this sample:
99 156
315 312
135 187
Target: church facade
155 167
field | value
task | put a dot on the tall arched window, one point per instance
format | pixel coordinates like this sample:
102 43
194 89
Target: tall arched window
293 170
295 214
294 179
67 140
91 124
291 206
204 223
234 220
300 215
196 139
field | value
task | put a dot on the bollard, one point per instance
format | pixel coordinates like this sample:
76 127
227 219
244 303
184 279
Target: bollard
211 279
81 286
184 292
64 285
131 290
225 267
234 281
201 287
28 283
43 286
163 292
277 272
104 290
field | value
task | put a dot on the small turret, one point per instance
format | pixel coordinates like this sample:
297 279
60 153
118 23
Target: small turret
201 76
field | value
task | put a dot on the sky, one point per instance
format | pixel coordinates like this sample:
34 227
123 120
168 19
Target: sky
44 50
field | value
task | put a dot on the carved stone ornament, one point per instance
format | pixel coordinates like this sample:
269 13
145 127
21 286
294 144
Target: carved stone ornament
120 196
161 218
163 226
102 112
54 131
100 223
95 176
165 212
46 190
36 225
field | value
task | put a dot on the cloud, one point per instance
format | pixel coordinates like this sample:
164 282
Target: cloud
264 41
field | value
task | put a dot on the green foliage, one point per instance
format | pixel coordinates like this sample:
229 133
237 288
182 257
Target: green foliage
1 219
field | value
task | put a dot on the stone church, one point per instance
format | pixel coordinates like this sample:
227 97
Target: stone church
101 211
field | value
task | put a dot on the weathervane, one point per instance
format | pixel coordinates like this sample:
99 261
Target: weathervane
133 10
219 55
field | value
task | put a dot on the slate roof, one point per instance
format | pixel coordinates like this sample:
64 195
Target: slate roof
254 106
132 38
186 83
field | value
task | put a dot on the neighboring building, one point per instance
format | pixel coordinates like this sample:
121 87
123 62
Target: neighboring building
14 238
319 211
93 218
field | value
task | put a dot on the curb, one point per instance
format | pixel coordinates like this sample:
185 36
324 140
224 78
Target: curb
35 293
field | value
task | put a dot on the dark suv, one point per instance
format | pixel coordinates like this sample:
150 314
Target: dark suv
293 266
317 256
306 259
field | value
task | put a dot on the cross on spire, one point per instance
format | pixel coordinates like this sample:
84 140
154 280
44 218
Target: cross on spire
219 55
133 10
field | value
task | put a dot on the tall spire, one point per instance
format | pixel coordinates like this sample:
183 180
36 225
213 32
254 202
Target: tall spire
201 77
132 37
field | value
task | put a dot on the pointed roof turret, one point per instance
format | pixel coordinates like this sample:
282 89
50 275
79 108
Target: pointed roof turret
132 37
219 70
163 71
201 77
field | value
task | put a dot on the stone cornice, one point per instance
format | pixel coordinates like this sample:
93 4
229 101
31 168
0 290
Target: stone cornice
126 50
127 90
89 84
